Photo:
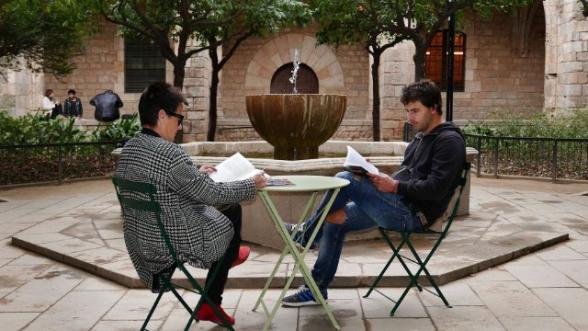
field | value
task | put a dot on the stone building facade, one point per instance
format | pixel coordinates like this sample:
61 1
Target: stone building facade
526 63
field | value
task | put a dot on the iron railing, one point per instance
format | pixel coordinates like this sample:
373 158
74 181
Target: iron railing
55 162
555 158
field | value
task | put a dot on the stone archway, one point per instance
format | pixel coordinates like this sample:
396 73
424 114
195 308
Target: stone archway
280 51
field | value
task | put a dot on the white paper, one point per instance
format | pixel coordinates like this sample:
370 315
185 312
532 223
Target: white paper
236 167
354 159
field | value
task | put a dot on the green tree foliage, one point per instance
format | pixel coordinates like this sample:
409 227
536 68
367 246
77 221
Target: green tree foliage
43 34
216 26
352 21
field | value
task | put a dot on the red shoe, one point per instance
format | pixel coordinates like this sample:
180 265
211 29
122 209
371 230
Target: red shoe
206 313
244 252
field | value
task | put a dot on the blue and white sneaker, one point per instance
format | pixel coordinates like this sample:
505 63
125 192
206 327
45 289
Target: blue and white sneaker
302 298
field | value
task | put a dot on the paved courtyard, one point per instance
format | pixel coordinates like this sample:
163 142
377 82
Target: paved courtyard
545 290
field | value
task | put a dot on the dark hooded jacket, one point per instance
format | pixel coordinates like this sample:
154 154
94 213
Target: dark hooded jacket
431 168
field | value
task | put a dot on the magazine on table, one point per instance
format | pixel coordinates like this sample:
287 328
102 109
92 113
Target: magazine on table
357 164
237 167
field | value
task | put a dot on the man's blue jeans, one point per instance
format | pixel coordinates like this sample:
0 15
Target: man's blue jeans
365 208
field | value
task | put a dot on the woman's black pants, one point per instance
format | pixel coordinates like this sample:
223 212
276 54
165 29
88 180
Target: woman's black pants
215 292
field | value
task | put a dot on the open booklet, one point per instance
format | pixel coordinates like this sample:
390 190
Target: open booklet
237 167
356 163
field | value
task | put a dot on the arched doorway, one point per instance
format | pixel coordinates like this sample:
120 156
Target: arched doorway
306 81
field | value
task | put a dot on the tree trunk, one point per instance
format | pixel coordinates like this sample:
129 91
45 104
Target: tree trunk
179 74
213 94
376 95
419 58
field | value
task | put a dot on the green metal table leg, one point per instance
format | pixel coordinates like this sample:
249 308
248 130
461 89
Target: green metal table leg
298 257
279 224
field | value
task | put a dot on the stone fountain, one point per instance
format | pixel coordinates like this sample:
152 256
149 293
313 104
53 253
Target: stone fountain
296 124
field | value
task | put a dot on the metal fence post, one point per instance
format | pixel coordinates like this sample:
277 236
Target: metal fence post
554 161
479 157
59 165
496 157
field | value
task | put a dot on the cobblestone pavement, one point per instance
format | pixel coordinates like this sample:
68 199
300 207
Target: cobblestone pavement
546 290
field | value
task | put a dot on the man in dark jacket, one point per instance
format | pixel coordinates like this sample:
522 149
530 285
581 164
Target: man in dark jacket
409 200
72 105
107 104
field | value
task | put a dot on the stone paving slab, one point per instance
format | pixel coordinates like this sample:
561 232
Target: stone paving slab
499 228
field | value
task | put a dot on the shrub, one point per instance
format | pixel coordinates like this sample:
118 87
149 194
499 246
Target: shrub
119 130
539 125
33 129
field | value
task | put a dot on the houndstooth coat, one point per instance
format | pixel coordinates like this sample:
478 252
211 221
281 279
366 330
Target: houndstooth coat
199 232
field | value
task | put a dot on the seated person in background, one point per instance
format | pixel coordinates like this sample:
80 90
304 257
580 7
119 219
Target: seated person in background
198 229
72 105
409 200
51 107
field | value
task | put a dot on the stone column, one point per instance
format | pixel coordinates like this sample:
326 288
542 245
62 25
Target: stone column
197 92
566 65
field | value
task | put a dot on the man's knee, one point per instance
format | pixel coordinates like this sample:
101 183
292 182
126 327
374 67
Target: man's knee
345 175
337 216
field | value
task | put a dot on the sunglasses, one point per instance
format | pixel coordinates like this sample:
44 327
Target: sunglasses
178 116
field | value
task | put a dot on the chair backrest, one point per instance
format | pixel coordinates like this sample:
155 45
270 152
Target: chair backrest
453 205
127 190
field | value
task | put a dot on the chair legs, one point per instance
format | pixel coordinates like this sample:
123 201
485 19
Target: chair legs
168 285
144 326
413 278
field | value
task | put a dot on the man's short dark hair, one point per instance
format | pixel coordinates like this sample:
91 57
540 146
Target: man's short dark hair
425 91
71 91
159 95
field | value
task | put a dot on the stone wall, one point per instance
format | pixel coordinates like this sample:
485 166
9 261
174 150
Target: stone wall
552 74
340 71
566 59
21 91
499 80
99 68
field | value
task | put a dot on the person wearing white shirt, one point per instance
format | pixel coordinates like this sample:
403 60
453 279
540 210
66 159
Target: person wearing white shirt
50 107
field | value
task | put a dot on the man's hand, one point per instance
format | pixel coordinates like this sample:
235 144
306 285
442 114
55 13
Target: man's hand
383 183
207 169
260 180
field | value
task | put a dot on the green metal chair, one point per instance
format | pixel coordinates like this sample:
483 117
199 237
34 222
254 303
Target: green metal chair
128 202
405 238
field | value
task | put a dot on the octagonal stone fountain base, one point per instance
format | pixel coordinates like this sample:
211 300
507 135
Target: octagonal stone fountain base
387 156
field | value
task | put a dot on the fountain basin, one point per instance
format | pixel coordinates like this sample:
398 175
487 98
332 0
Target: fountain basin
296 124
387 156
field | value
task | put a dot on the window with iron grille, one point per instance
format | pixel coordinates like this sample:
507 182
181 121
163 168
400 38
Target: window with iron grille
436 61
144 65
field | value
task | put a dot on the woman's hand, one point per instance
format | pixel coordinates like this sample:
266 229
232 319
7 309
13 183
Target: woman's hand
384 183
207 169
260 180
